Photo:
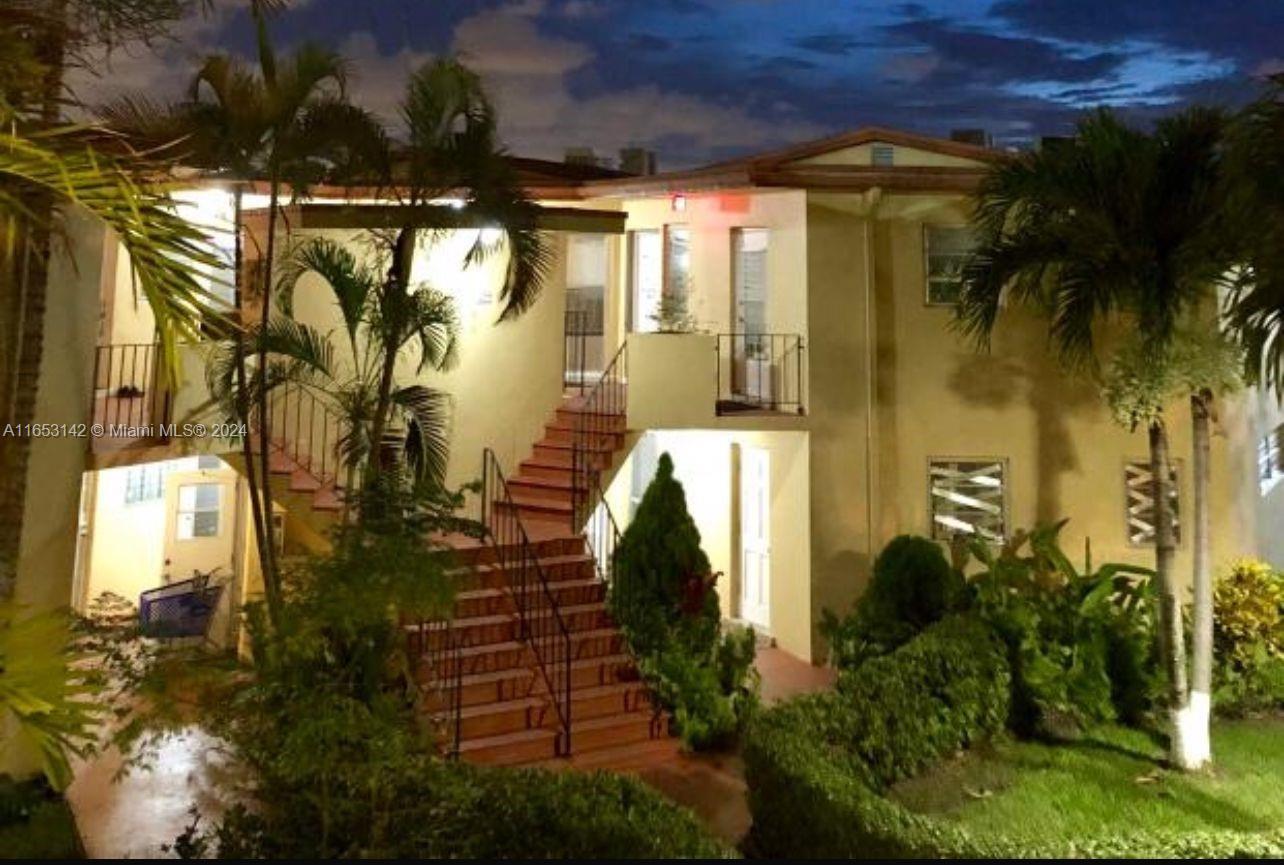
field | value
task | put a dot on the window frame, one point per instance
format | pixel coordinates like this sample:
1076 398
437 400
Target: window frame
736 235
928 228
1005 513
180 511
146 494
1270 446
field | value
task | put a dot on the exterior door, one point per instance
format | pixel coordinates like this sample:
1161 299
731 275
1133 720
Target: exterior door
755 536
646 277
199 516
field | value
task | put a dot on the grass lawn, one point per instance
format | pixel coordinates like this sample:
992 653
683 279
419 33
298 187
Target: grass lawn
1110 781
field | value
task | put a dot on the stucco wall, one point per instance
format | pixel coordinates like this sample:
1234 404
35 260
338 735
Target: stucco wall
48 547
938 397
711 218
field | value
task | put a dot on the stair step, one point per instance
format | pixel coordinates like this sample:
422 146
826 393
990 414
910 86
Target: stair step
511 749
328 499
561 483
303 481
614 731
599 447
535 504
569 417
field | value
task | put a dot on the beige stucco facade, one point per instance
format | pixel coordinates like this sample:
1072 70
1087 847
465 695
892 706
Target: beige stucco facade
886 386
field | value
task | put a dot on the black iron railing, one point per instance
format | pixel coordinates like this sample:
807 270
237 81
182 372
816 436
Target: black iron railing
582 346
304 428
600 416
438 647
541 625
760 372
129 399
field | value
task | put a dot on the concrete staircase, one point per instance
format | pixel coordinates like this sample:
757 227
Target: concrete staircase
506 715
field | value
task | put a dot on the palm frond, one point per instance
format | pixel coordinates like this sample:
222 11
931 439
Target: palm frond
427 444
352 284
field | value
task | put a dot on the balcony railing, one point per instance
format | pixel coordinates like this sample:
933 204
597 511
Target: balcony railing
760 372
131 404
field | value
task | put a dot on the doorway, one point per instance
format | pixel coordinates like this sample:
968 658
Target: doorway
755 536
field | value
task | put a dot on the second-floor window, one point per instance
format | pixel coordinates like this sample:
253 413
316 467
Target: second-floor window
945 251
646 278
749 272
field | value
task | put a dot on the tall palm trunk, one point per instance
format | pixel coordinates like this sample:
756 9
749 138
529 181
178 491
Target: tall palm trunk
267 552
241 401
1172 638
1200 748
398 280
27 262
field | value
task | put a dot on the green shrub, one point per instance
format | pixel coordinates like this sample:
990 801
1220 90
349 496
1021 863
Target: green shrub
1248 613
913 585
1080 645
457 811
816 765
663 595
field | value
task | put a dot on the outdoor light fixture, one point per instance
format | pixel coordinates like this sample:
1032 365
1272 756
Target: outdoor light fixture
679 203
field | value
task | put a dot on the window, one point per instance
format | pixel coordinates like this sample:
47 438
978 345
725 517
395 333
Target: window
677 261
1270 459
968 497
882 155
946 250
749 265
208 462
646 275
198 509
1140 503
145 483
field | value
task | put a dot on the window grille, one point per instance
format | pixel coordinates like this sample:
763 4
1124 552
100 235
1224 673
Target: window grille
882 155
968 497
946 250
145 483
1140 503
1270 458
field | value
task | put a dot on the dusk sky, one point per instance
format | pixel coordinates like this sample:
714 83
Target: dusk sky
699 80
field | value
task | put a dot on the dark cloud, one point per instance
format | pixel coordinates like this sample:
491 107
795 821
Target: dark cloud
1000 59
647 42
1245 30
834 44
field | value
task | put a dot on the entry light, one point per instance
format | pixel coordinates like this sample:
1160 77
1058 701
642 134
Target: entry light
679 203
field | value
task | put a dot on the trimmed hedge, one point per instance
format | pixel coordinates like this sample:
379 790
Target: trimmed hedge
817 765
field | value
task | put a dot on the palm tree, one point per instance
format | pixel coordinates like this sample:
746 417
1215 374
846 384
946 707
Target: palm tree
1124 229
41 171
1257 173
383 322
290 124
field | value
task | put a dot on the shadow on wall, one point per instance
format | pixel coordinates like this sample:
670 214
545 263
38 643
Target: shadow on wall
1020 372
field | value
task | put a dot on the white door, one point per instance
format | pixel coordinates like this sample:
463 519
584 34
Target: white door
647 277
755 536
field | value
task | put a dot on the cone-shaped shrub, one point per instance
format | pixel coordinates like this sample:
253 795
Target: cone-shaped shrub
663 596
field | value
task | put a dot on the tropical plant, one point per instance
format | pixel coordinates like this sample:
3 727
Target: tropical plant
663 594
47 698
1122 231
43 173
382 322
289 124
1068 632
912 586
1256 168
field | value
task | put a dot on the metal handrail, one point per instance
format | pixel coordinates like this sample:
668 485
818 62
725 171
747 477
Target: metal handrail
304 428
128 389
438 644
540 619
777 359
596 420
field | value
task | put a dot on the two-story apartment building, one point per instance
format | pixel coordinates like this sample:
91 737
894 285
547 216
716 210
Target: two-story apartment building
815 399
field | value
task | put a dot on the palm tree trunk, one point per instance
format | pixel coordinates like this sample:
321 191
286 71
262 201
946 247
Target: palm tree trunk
1202 644
1172 639
26 260
241 401
267 553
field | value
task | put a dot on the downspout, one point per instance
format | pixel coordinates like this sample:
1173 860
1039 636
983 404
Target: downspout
872 199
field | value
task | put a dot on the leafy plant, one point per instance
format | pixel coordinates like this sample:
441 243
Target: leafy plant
663 595
673 313
47 695
913 585
1067 631
1249 613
